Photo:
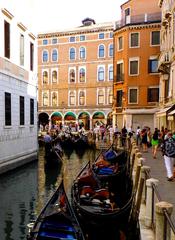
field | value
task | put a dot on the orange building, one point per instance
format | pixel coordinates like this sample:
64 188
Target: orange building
136 52
75 75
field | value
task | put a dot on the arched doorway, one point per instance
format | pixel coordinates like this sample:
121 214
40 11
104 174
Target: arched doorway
70 118
56 118
43 121
84 119
109 119
98 118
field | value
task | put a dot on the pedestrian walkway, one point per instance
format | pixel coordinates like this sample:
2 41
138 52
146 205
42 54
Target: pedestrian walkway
166 189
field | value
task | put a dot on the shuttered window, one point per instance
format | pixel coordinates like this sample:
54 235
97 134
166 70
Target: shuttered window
6 39
7 109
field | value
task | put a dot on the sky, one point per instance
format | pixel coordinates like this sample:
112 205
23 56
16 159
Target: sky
49 15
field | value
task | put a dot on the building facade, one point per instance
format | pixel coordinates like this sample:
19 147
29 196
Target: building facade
136 76
166 113
75 74
18 93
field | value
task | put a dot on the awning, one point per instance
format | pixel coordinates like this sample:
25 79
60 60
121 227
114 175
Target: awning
172 112
163 112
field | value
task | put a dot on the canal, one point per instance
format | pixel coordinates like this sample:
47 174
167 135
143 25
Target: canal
25 190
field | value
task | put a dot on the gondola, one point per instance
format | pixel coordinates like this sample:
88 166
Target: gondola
101 203
53 154
56 220
111 164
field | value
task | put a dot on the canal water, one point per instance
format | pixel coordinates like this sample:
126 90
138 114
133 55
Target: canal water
25 191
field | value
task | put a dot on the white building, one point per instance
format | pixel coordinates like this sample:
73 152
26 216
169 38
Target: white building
18 93
166 114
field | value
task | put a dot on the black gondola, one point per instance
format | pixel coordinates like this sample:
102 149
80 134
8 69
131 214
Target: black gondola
57 220
53 154
102 203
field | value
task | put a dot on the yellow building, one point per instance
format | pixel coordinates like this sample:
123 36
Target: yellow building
166 114
136 76
75 75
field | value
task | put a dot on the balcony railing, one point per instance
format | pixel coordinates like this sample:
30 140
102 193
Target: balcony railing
120 78
139 19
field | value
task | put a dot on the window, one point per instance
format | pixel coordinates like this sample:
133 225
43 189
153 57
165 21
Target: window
82 75
45 99
82 38
6 39
82 53
54 99
101 51
153 94
31 111
133 67
134 40
110 73
21 110
153 66
54 55
133 95
45 77
72 39
54 40
72 98
110 96
101 36
45 41
82 98
100 97
127 16
72 76
111 50
7 109
72 54
155 38
54 76
111 35
21 49
120 43
119 98
101 74
31 56
45 56
120 76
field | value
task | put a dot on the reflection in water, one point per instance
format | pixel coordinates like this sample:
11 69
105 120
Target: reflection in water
25 191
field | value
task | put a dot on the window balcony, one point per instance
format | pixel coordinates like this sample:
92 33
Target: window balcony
164 62
120 78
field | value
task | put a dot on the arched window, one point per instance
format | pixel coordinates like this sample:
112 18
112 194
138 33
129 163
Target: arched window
101 74
82 75
54 76
45 99
45 56
45 77
72 76
54 99
111 73
72 53
81 98
111 50
101 51
110 97
54 55
82 53
72 98
100 97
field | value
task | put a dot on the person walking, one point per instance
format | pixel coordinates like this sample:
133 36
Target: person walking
155 142
138 136
168 149
144 139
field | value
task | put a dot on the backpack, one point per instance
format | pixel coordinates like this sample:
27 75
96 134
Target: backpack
169 147
155 136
